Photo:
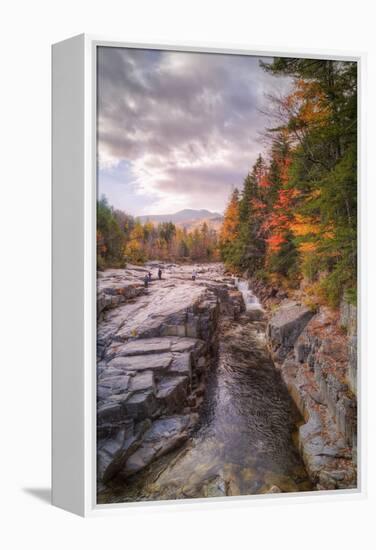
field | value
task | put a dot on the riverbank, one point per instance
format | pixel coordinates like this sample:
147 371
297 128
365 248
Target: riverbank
315 351
189 401
154 344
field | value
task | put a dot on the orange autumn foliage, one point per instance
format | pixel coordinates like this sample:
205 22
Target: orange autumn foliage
302 226
306 105
307 247
275 241
230 227
278 223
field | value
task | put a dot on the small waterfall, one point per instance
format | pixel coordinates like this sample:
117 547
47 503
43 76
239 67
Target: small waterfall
250 300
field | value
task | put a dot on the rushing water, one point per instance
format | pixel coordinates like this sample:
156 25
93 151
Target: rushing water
244 444
251 302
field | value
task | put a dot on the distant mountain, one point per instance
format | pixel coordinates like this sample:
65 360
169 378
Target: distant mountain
187 218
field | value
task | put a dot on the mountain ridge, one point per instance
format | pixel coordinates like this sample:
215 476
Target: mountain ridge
182 216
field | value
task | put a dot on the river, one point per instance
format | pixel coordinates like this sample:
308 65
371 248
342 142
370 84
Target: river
244 443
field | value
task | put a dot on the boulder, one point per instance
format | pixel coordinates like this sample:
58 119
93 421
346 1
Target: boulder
285 326
186 344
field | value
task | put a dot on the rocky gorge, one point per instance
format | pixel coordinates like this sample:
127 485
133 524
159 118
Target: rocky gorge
203 392
315 350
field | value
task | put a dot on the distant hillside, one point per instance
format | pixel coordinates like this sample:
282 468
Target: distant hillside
213 223
187 218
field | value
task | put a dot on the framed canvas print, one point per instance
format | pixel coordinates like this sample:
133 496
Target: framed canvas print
206 281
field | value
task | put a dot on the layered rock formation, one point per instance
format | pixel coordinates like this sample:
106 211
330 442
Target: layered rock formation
156 349
348 321
239 442
154 353
117 286
317 362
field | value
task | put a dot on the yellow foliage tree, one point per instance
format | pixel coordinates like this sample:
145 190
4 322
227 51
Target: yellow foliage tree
230 227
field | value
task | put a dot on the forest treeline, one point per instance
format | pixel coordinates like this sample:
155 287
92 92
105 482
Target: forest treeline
296 214
121 238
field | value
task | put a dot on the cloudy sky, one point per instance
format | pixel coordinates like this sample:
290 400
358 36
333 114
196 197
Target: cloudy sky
178 130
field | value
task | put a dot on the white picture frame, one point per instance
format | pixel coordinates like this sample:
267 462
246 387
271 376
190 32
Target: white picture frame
74 277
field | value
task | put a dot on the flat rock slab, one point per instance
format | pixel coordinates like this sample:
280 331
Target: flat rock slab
109 371
143 346
152 314
150 346
187 344
117 384
158 362
167 427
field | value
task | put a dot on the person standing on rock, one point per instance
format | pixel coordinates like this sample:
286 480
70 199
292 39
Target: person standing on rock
149 276
194 275
159 274
146 280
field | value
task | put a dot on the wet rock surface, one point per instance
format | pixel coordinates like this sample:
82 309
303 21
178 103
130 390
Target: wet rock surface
189 401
